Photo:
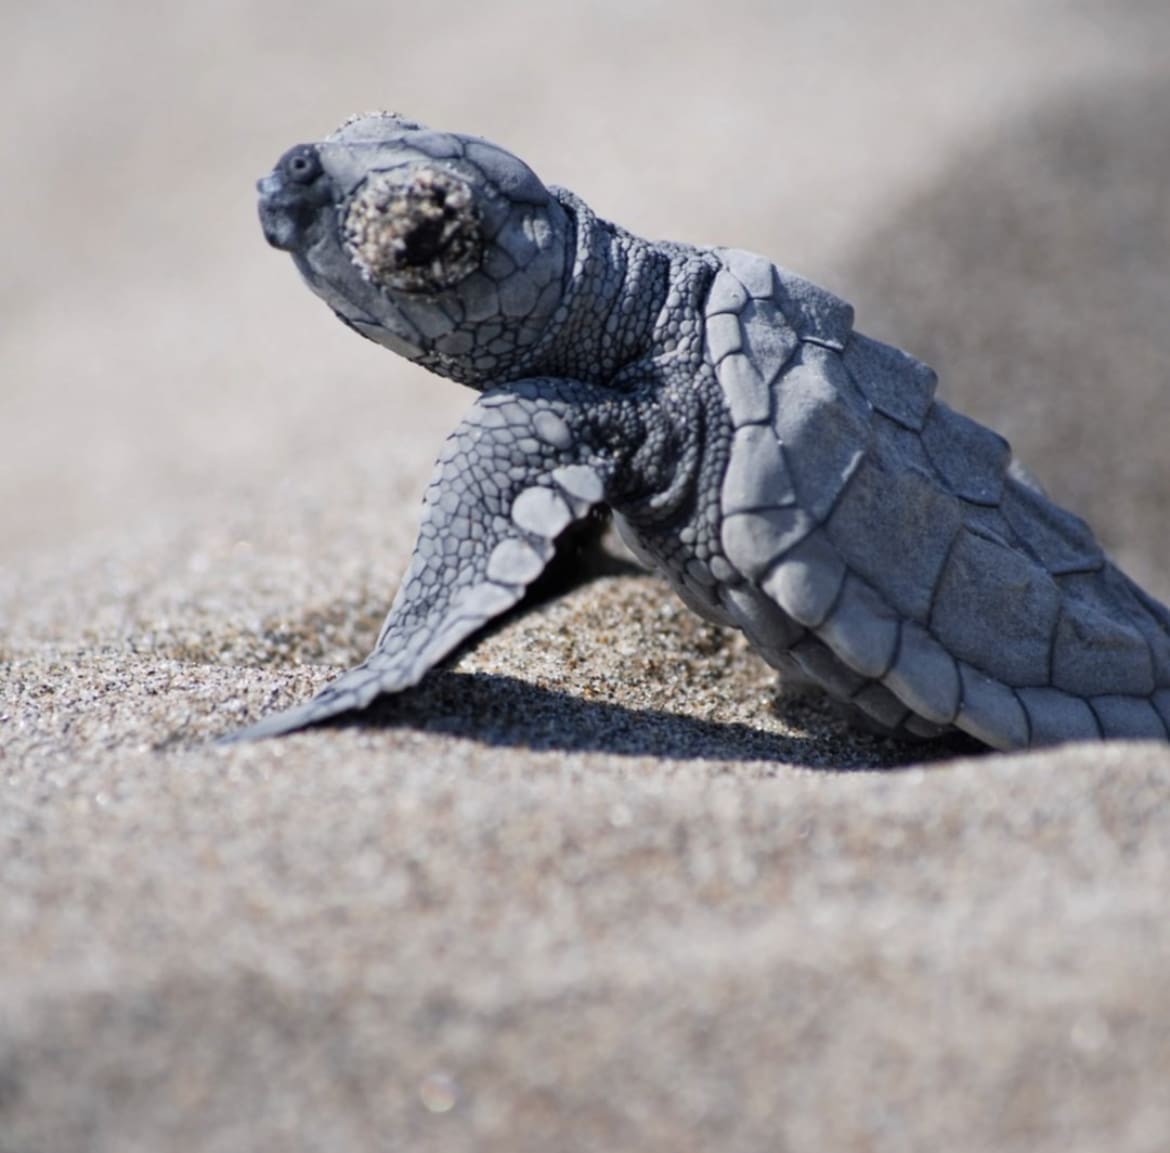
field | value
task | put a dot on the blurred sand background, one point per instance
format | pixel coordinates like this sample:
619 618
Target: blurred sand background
600 887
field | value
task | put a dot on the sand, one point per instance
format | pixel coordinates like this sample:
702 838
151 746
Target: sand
603 885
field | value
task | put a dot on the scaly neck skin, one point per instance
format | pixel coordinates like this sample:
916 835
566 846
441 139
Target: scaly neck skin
615 292
614 332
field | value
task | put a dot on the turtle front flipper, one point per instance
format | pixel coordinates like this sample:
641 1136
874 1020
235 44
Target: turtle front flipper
520 469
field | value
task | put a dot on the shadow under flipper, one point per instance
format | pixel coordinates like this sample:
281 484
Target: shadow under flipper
505 712
586 551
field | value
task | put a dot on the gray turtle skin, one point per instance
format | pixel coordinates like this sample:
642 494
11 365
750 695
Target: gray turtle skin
787 475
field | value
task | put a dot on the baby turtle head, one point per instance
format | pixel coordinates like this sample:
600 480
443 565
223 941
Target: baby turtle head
444 248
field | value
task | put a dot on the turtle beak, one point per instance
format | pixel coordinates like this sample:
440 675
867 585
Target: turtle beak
286 211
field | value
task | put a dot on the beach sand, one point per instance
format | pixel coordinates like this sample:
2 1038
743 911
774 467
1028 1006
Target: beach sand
603 885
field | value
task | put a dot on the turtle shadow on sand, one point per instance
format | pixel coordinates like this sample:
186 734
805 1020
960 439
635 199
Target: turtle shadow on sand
505 712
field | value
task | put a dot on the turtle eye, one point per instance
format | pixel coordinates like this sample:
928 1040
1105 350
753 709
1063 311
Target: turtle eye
302 165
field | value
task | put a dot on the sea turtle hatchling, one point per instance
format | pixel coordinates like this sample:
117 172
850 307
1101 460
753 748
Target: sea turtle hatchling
786 474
